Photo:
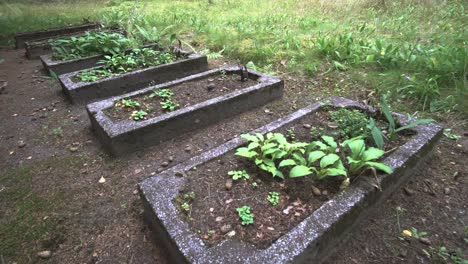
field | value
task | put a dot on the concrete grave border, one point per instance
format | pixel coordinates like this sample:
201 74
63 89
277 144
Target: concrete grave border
85 92
126 136
312 240
23 37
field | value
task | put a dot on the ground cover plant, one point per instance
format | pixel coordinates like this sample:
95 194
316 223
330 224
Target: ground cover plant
274 181
92 43
125 62
161 101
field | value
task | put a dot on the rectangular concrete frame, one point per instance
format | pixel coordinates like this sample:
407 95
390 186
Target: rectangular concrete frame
312 240
59 67
39 47
21 38
126 136
86 92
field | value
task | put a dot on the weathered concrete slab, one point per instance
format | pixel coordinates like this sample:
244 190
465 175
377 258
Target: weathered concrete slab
126 136
21 38
86 92
309 242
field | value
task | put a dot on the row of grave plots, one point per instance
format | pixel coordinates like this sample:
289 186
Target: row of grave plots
150 104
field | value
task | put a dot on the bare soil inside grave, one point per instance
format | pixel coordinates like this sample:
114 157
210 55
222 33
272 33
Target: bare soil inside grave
213 211
185 94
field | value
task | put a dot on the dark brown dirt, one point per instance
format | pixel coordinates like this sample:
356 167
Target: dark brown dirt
51 163
185 94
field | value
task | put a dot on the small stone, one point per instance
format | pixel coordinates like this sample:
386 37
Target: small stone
171 158
229 201
21 144
165 164
225 228
102 180
231 234
268 111
447 191
219 219
188 148
316 191
137 171
408 191
332 125
325 192
210 86
179 174
44 254
73 149
286 211
228 184
308 126
425 240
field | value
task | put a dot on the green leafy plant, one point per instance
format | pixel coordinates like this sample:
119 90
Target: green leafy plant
329 163
265 151
129 103
139 115
90 44
361 157
351 123
291 133
245 215
273 198
124 62
393 130
161 93
169 105
237 174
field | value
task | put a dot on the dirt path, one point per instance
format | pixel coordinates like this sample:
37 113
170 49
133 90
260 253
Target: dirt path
51 164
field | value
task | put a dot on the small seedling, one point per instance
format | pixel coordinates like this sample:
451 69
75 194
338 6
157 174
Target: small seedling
245 214
448 134
186 206
58 132
291 134
129 103
139 115
169 105
254 184
236 175
161 93
273 198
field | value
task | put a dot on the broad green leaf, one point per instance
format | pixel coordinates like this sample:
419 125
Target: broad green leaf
245 152
379 166
253 145
315 155
330 141
372 154
287 162
249 137
268 146
260 136
271 151
319 144
356 147
328 160
299 171
298 157
277 173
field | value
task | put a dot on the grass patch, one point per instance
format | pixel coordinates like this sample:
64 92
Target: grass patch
31 221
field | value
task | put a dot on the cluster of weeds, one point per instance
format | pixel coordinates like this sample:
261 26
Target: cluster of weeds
351 123
184 202
90 44
124 62
166 99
